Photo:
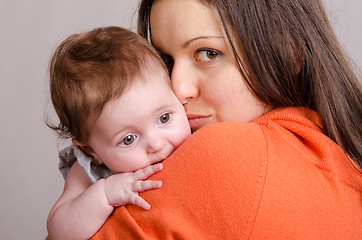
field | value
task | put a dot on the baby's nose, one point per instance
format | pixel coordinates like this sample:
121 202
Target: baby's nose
155 143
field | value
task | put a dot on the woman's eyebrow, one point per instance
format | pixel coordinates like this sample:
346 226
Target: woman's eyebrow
188 42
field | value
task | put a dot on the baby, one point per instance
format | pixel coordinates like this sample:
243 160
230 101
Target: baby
112 94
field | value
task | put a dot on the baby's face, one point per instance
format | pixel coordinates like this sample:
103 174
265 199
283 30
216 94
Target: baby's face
142 127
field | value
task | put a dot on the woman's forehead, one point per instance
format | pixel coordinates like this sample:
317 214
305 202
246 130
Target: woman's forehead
196 20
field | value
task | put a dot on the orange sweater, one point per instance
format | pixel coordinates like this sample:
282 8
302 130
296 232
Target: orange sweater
276 178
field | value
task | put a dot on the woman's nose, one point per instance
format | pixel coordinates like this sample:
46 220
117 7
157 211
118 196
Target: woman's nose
184 82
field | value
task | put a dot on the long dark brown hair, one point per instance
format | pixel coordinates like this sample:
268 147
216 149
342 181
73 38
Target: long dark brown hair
294 59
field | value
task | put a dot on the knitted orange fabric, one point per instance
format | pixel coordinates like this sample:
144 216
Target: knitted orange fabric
276 178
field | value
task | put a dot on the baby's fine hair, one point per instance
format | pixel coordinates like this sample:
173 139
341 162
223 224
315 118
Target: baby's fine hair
89 69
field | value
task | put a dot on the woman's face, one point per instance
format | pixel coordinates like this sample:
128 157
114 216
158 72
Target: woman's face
204 75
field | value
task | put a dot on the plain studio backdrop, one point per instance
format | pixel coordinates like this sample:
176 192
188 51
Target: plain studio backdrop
30 30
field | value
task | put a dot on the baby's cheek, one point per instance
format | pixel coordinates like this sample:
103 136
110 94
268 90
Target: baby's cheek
183 136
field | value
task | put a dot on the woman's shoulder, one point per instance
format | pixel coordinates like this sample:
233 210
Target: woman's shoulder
222 147
277 137
280 121
229 131
227 127
228 138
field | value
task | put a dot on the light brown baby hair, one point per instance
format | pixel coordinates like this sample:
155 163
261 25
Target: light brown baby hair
88 70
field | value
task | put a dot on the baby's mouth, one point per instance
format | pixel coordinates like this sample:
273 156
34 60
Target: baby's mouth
163 157
158 162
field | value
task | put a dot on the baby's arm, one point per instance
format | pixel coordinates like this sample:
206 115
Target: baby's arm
83 207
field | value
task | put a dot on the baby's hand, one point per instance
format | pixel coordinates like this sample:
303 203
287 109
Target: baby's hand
123 188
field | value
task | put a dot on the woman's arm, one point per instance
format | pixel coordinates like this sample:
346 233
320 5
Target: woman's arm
83 208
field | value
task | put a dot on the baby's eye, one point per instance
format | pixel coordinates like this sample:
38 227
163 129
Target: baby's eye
165 118
128 140
206 55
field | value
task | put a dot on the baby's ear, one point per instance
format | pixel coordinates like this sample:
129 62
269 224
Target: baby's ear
88 150
82 146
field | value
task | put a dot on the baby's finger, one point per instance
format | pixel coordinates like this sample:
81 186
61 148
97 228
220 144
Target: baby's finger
141 186
145 173
136 200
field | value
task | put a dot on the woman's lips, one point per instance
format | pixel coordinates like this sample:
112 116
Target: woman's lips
196 121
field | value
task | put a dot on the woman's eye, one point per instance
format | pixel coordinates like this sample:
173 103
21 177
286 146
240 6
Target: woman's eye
165 118
128 140
206 55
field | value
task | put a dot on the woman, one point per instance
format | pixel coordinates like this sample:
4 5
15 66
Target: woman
286 161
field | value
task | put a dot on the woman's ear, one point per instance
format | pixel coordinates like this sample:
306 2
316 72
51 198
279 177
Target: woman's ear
88 150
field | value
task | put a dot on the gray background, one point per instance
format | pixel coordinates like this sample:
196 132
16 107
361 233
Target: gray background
29 32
